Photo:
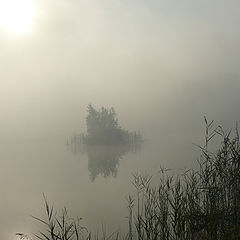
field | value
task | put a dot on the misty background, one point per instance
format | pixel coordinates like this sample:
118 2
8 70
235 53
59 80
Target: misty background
162 65
156 62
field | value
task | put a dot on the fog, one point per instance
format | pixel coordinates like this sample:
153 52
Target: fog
163 66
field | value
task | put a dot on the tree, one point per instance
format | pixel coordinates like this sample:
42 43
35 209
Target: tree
102 126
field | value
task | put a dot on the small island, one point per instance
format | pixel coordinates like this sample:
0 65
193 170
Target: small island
103 129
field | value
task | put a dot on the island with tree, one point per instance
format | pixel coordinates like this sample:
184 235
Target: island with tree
105 142
103 129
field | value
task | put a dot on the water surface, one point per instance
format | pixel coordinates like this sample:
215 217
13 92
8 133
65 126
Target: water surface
92 183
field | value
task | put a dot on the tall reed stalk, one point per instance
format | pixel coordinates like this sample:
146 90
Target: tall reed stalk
200 204
196 204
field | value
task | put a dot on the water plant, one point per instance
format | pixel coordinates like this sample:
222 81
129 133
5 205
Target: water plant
194 204
202 203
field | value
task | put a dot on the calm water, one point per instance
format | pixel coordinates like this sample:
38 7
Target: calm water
92 183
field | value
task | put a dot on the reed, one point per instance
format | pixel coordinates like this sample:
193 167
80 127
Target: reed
195 204
62 226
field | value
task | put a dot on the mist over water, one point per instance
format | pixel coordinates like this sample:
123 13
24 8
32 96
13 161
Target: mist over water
163 67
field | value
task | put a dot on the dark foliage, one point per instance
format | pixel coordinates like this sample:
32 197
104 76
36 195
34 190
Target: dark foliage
103 128
201 204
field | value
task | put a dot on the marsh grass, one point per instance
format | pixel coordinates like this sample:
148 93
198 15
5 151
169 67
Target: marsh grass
63 227
200 204
60 226
195 204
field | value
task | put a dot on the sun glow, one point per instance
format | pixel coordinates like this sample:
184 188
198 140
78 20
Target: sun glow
16 16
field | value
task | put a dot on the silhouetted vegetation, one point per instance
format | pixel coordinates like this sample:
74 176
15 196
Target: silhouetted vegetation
201 204
196 204
103 128
60 226
105 142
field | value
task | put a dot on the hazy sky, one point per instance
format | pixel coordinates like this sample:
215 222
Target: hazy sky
161 64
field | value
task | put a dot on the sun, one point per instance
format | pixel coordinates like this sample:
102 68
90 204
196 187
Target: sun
16 16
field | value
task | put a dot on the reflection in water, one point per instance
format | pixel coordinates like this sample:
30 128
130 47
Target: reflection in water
104 159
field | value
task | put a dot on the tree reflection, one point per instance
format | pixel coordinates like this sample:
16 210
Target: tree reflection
104 160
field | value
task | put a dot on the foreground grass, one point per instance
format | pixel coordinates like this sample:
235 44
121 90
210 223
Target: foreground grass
201 204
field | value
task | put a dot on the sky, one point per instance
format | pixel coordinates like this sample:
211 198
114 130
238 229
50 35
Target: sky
162 65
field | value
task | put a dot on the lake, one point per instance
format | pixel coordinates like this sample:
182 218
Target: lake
92 183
